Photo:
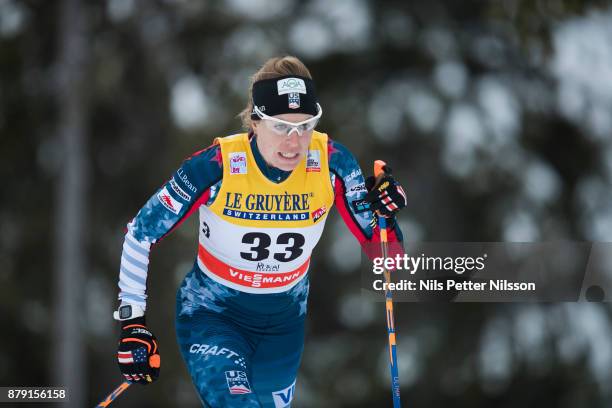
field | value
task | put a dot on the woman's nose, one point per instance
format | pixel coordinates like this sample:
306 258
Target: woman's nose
292 138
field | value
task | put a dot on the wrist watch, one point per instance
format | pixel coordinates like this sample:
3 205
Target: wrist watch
127 311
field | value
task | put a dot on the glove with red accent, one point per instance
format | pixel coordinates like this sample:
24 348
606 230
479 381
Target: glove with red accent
385 195
138 354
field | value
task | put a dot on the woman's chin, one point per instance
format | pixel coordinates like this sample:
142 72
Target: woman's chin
286 167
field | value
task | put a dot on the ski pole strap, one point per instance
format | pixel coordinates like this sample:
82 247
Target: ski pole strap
379 172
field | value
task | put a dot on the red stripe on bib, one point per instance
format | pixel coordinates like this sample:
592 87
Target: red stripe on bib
250 279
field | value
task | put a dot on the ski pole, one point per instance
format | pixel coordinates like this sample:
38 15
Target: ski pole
111 397
382 223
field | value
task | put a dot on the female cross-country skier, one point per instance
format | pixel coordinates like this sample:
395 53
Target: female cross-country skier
263 198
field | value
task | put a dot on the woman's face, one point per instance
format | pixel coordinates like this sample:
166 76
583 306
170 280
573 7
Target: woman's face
283 151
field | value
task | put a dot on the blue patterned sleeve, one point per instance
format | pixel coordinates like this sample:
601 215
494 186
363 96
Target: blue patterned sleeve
187 189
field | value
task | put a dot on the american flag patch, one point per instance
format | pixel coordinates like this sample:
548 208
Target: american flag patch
237 382
294 100
133 356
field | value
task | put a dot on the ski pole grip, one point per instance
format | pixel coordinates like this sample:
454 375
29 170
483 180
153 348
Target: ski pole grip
379 168
379 172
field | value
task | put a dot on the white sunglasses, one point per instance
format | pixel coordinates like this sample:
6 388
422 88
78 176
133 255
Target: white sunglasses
282 127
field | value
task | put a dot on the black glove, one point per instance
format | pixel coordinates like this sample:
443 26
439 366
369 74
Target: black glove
385 196
138 354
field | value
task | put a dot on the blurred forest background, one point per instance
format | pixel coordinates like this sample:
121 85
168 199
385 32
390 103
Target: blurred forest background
495 115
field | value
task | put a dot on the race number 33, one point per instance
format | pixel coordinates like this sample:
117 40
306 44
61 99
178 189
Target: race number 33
261 242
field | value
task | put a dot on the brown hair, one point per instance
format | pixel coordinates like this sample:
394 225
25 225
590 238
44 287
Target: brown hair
272 68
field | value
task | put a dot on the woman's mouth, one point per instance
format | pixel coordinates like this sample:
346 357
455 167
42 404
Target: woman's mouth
288 156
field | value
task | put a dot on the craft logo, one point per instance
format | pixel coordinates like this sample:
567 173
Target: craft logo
294 100
138 330
318 213
206 349
291 85
237 382
238 163
313 160
268 207
179 191
168 201
283 398
214 350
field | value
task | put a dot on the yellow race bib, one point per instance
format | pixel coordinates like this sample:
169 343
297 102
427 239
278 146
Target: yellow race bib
260 234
